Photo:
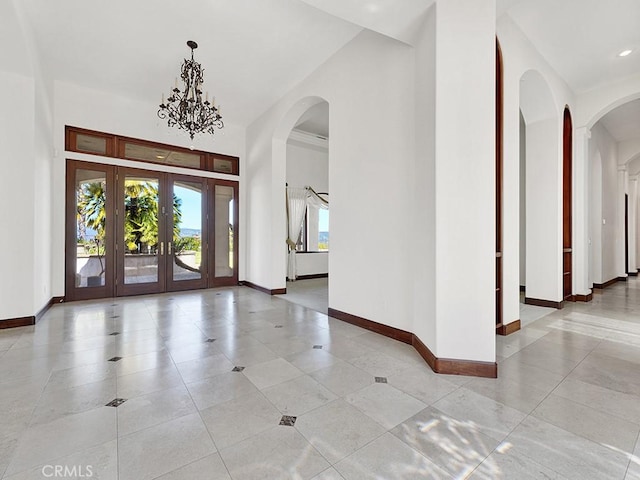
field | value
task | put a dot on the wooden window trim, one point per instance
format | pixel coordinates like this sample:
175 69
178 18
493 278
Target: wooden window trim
121 143
115 145
71 139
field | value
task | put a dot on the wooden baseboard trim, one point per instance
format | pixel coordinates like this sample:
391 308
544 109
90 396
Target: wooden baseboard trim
509 328
448 366
544 303
623 279
275 291
312 276
584 298
604 285
48 305
17 322
31 319
439 365
386 330
633 274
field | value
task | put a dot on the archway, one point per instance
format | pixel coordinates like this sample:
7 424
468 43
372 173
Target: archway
613 146
306 170
543 184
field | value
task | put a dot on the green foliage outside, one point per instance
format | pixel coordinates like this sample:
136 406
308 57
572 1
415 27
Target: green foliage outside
141 218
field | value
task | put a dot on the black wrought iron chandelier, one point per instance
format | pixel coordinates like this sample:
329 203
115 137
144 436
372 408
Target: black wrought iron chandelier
185 108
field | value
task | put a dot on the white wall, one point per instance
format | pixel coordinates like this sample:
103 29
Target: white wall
595 217
17 196
102 111
424 214
544 197
604 145
307 165
519 57
25 188
592 105
312 263
465 179
368 177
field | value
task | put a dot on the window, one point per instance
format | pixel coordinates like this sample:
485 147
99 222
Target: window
314 236
109 145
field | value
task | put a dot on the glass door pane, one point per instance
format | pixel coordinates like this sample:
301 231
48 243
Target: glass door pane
186 258
140 243
225 224
91 197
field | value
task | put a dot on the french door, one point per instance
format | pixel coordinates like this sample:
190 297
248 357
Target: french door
133 231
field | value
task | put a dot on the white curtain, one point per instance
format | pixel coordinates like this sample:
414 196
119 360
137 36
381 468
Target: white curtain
316 200
296 207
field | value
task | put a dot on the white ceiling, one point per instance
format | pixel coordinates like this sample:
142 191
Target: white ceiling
254 51
581 38
623 122
394 18
315 120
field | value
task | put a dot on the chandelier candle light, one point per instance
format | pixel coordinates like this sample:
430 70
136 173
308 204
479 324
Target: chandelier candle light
186 109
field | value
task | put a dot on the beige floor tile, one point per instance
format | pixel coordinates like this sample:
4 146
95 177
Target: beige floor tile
210 467
278 453
389 457
298 396
240 418
338 429
152 452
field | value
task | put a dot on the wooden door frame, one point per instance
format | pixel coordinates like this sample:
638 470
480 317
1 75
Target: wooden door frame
223 281
498 186
121 288
202 282
567 205
86 293
114 267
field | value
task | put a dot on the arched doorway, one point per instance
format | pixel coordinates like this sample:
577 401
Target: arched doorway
501 327
567 206
614 155
542 178
306 170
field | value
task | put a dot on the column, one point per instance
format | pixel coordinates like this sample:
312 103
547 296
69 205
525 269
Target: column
581 182
633 224
465 182
621 268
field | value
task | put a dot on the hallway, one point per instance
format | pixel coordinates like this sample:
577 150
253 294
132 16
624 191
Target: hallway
206 377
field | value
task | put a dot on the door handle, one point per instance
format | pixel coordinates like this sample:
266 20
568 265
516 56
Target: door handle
161 248
168 248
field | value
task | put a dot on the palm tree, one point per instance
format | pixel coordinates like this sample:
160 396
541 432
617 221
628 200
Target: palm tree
91 207
140 210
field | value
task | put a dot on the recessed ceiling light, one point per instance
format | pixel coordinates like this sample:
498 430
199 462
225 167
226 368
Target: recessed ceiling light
159 156
624 53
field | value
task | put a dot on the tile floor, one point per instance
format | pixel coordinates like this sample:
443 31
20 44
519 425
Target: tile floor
312 293
208 387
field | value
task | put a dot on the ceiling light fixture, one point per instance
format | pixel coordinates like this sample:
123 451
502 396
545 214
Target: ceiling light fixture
624 53
185 108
